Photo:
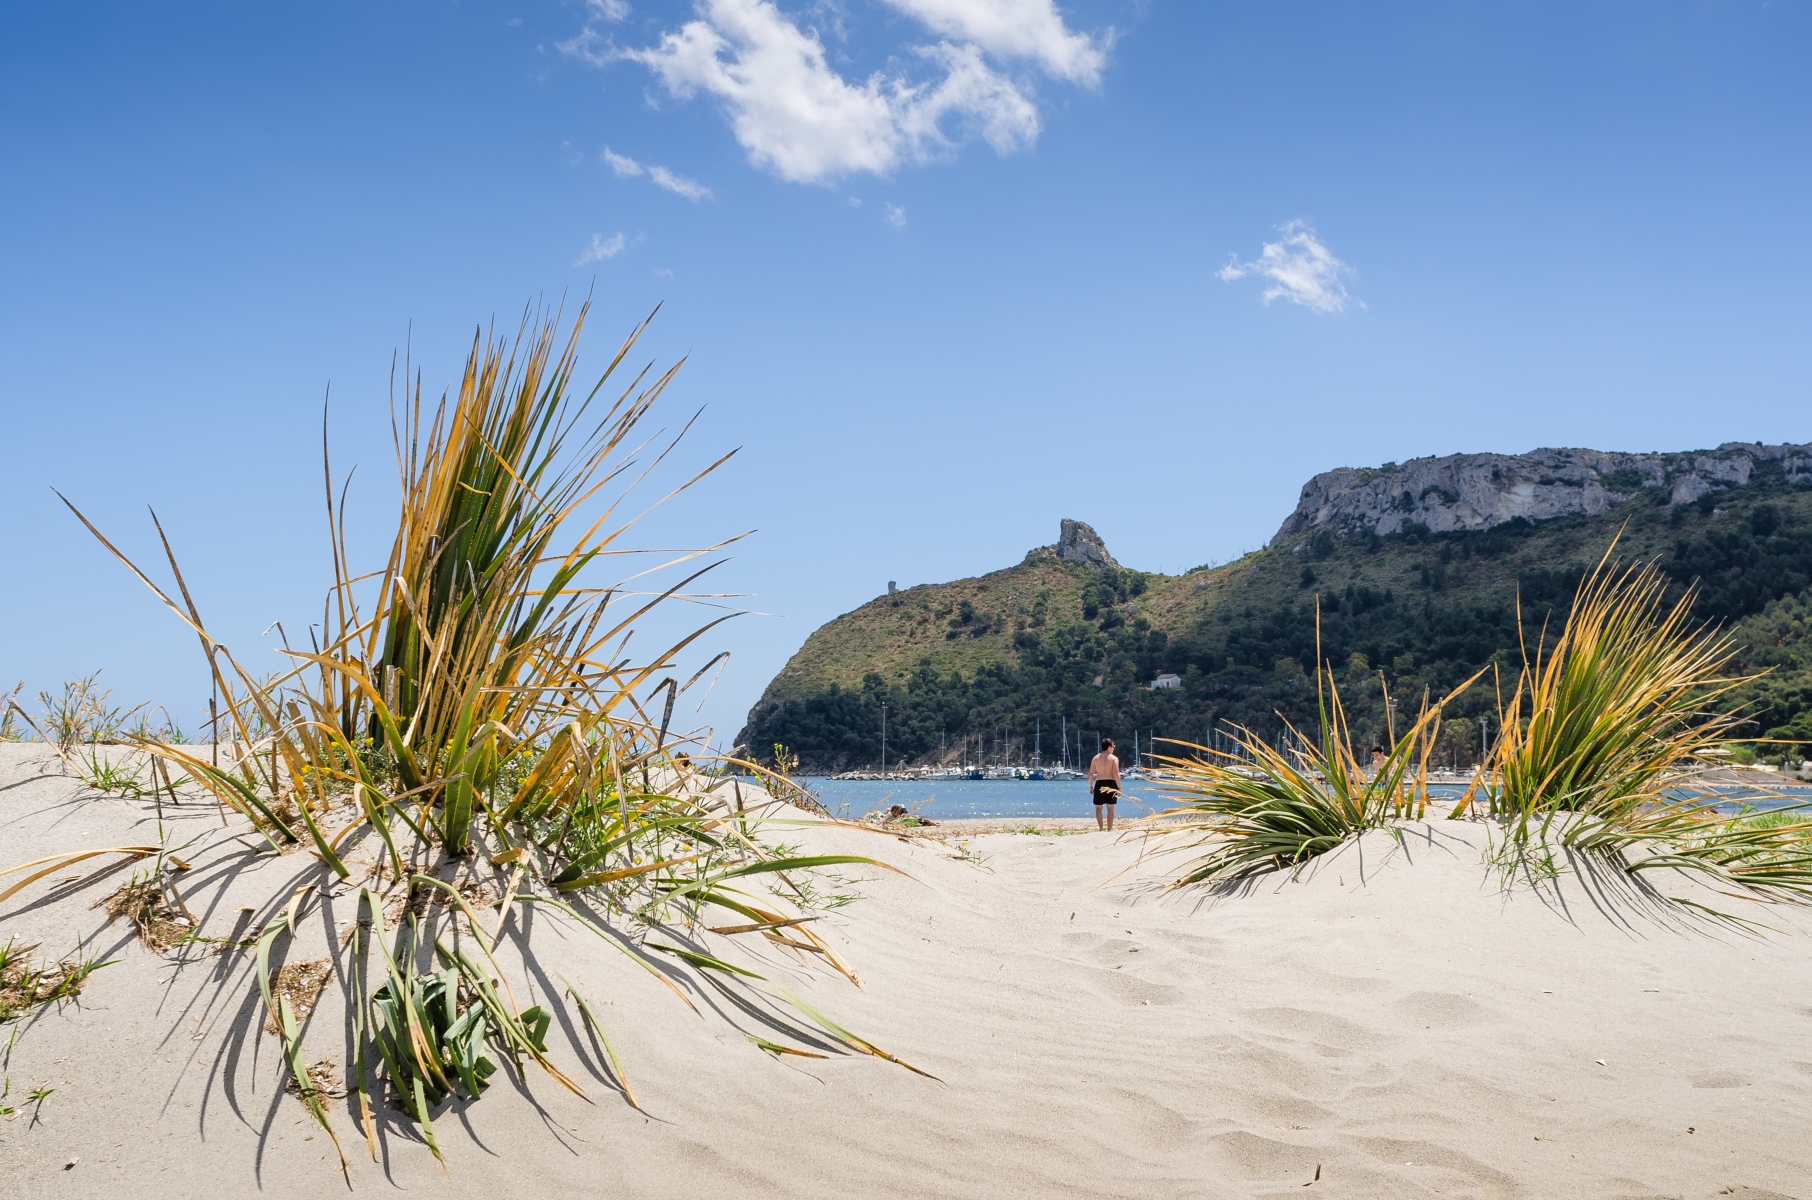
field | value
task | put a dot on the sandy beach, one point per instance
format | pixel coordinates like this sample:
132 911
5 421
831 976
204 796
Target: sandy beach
1389 1023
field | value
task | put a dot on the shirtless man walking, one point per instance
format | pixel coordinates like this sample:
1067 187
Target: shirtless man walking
1104 784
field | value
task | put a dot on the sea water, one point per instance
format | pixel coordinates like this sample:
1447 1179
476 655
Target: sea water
1007 799
944 799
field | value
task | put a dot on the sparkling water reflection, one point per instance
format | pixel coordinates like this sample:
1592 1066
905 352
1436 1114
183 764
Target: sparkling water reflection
942 799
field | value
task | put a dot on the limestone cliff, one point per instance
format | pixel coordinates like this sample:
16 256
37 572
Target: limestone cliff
1477 491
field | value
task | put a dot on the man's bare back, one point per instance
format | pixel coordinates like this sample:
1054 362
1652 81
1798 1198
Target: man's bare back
1104 784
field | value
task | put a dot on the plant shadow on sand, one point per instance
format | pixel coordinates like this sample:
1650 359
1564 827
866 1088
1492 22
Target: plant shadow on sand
222 1017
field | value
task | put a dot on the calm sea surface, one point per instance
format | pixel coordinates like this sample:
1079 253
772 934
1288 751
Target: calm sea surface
941 799
945 798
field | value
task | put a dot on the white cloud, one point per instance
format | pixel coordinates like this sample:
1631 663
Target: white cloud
895 217
590 45
1300 269
802 120
624 167
601 248
622 164
689 188
1031 29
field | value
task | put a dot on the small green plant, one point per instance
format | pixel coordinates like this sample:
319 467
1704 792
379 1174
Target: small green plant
165 731
1533 862
100 774
433 1030
24 986
9 715
36 1098
962 853
80 714
782 784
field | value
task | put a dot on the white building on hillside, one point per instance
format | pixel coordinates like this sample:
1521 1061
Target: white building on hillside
1166 680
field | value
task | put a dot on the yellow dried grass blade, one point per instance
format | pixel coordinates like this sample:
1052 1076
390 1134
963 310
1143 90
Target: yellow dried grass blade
59 861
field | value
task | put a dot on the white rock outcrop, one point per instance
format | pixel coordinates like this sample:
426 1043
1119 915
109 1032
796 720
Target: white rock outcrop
1077 541
1477 491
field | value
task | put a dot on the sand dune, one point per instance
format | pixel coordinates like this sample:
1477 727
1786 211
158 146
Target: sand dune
1391 1017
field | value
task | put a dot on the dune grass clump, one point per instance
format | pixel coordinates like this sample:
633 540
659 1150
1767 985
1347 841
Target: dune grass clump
1609 736
1259 808
471 731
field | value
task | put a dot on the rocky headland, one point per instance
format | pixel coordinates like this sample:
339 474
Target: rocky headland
1478 491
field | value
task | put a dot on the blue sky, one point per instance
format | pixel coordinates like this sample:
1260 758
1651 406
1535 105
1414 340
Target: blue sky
946 270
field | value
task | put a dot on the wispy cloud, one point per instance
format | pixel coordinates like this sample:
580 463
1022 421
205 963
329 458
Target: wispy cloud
691 189
895 216
1300 269
1032 29
798 117
601 248
590 45
622 164
623 167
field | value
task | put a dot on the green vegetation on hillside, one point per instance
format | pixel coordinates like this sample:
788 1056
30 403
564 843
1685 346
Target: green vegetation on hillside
1049 643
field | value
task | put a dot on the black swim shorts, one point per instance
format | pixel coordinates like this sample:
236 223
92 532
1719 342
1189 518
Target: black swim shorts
1107 792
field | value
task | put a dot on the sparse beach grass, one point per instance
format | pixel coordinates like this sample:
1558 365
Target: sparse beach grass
1261 807
26 984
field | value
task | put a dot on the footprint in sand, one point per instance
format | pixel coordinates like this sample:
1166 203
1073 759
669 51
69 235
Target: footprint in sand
1442 1010
1317 1026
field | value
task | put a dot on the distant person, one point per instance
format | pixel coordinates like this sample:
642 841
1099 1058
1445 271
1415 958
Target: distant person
1377 759
1104 784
